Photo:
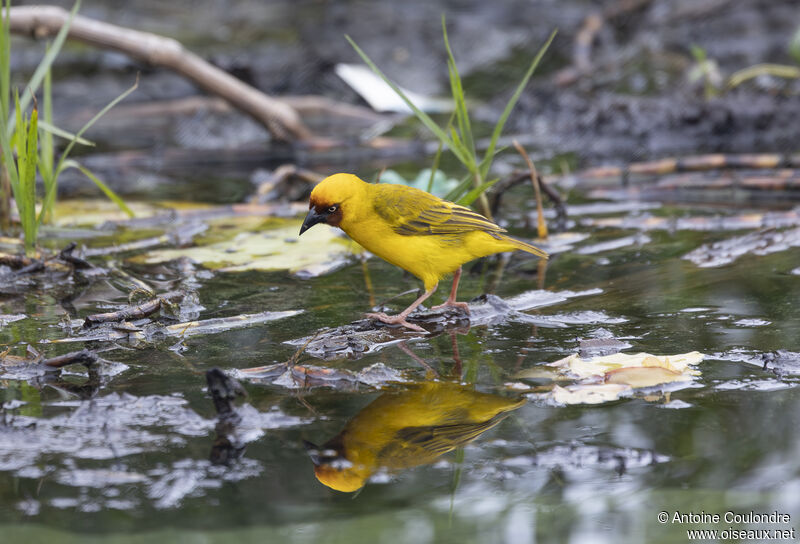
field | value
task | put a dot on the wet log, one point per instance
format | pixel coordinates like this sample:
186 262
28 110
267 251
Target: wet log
693 163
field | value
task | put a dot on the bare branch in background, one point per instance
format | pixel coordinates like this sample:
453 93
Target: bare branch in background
280 119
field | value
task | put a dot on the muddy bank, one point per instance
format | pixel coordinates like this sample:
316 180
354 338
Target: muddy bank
618 128
629 95
614 86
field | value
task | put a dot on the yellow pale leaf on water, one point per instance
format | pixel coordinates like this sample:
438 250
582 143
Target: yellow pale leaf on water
621 373
645 376
595 393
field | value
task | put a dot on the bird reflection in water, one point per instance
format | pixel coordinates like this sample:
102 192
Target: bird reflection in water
404 429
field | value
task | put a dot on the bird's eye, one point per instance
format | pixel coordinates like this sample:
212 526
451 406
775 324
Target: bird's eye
333 208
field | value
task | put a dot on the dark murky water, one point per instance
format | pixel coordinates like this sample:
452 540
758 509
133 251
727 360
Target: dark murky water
124 454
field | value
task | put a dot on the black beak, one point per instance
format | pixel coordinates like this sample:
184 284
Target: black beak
312 219
313 451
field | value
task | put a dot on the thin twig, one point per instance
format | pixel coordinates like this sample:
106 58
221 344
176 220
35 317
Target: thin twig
293 359
541 223
35 266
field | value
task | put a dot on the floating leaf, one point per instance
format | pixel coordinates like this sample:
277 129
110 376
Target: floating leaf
621 373
599 366
93 212
237 244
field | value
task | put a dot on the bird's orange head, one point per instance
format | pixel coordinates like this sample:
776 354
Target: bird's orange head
331 200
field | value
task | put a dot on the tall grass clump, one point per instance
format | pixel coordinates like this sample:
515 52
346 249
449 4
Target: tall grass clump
457 135
26 142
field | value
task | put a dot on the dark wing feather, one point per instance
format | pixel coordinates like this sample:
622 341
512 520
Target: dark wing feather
436 439
412 212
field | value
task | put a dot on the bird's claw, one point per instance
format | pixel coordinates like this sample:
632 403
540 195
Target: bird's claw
395 320
452 304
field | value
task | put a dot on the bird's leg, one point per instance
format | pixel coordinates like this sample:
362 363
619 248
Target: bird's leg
400 319
451 300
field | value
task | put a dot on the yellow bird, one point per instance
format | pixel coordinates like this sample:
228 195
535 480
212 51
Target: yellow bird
417 231
404 429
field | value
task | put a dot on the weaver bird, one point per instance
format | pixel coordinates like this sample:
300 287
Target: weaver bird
412 229
404 429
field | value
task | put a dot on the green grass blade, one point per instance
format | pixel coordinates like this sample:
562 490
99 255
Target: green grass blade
457 91
47 150
498 129
49 57
28 184
18 140
435 167
49 198
5 63
421 115
46 126
112 196
8 160
476 192
460 189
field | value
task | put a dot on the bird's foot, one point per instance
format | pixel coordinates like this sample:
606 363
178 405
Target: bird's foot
452 304
395 320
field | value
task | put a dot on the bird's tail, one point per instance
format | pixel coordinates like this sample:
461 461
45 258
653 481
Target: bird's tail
525 246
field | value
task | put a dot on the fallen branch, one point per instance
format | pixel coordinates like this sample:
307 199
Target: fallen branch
279 176
44 21
148 331
35 266
304 105
84 356
14 261
131 312
67 256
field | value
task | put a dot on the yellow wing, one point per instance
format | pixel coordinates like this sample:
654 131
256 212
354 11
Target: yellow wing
412 212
